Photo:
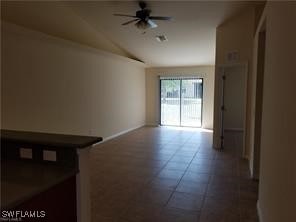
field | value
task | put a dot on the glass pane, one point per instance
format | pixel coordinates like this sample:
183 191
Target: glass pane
170 102
191 102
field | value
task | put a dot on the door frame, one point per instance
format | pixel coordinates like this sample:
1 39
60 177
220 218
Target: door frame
181 78
258 97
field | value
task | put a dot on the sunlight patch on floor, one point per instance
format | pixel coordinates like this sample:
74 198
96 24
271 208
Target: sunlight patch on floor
191 129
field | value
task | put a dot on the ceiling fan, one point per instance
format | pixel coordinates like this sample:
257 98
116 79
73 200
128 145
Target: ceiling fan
142 18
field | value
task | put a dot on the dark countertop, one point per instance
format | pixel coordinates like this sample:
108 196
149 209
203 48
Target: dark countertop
48 139
21 180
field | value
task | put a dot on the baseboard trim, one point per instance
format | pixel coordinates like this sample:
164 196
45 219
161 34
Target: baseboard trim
151 124
121 133
208 128
259 212
234 129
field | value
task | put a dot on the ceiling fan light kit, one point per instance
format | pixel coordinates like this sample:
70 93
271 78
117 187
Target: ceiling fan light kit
143 19
144 25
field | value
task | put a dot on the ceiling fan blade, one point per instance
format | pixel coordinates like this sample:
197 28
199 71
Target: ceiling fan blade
161 18
151 23
126 23
131 16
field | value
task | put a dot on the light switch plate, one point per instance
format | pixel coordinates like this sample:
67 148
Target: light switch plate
26 153
49 155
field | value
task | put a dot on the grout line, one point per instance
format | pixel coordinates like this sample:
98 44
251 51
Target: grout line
205 195
165 166
183 173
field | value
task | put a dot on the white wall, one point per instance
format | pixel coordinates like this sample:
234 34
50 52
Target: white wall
152 91
54 85
277 182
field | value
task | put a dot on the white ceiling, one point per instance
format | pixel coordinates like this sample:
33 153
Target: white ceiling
191 35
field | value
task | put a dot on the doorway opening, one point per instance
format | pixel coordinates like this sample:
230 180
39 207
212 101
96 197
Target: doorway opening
181 101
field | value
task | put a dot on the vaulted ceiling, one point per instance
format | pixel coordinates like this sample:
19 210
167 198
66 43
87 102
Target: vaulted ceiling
191 34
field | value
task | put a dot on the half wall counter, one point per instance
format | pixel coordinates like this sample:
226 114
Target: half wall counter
45 175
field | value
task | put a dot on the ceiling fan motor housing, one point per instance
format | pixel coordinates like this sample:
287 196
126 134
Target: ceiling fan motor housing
143 14
142 18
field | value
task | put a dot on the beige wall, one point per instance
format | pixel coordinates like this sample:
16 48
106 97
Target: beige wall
234 35
277 182
152 91
54 85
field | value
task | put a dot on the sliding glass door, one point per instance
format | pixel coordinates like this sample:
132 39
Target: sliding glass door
191 102
181 101
170 102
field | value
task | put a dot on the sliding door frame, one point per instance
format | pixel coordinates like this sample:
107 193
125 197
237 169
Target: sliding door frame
180 115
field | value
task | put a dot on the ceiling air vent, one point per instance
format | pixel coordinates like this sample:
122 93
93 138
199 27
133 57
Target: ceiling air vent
161 38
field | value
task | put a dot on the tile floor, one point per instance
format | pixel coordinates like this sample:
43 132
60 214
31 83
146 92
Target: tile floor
168 175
